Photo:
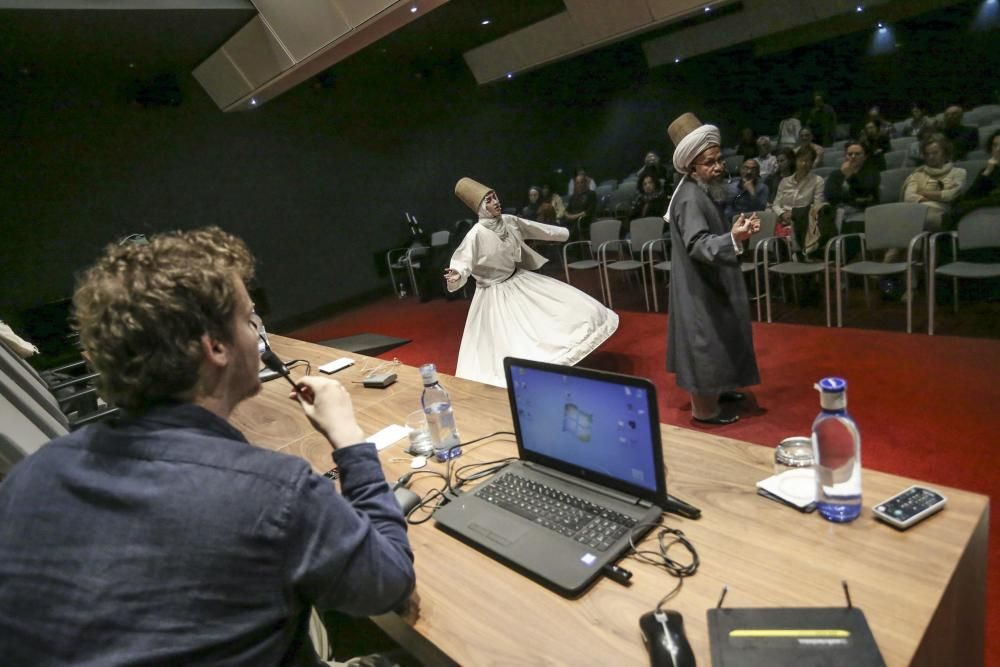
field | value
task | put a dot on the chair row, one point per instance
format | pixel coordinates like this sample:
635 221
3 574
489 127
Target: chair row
896 227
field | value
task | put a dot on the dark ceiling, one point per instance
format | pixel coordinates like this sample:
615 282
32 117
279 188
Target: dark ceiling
67 45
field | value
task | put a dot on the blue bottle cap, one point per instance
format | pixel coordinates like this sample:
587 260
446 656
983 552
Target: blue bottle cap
832 384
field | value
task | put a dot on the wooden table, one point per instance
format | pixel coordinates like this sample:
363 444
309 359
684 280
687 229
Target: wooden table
923 591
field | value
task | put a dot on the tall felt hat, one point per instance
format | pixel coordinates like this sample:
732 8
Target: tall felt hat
472 193
684 125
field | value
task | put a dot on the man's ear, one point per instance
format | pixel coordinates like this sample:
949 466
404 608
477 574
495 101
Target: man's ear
215 351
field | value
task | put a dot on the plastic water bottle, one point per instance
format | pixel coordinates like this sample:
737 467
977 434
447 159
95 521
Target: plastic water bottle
440 418
837 453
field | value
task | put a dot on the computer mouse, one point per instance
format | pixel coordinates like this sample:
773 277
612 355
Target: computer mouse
663 635
407 499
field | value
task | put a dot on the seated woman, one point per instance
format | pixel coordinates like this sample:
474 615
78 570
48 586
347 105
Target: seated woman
651 200
786 167
937 183
798 204
530 210
551 210
984 191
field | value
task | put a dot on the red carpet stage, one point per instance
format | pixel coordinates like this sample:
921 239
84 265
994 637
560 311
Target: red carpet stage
926 406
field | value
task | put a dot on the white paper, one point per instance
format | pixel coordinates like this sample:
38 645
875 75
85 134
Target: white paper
389 435
797 486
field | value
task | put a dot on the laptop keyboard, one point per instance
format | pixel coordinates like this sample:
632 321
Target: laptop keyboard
587 523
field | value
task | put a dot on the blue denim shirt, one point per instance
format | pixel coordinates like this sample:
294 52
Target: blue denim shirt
167 539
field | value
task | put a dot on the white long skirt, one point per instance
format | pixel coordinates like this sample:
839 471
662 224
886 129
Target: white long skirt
530 316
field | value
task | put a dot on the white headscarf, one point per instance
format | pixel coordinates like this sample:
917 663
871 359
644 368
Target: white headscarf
493 223
693 144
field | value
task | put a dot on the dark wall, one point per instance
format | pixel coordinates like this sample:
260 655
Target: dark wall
317 180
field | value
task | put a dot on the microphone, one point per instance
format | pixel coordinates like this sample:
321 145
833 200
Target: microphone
272 361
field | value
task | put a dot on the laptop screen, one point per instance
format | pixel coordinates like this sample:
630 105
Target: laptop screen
587 420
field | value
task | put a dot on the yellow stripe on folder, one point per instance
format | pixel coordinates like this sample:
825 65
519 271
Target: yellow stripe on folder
789 632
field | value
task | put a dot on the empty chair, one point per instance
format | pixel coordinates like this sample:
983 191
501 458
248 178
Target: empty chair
891 185
824 172
655 246
642 231
985 132
832 158
609 182
986 114
756 245
408 260
895 159
601 231
978 229
901 143
793 268
898 225
839 146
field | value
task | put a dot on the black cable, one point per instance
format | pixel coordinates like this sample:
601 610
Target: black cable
667 538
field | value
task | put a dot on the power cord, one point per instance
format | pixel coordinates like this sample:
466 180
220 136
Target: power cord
668 538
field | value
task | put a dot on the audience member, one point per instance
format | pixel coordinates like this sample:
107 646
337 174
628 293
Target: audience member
552 210
653 167
917 121
582 206
915 154
885 127
822 120
747 145
806 139
963 138
855 185
798 202
984 191
571 187
747 191
530 210
651 200
767 162
165 537
876 143
786 167
937 183
788 131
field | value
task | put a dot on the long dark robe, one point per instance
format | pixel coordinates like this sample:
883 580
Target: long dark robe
709 340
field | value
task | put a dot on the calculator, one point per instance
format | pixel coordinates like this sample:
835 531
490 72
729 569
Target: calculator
909 506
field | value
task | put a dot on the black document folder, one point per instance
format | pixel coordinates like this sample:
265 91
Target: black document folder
799 637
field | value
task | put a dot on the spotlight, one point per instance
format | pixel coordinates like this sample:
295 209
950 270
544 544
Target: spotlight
859 9
510 75
677 60
484 22
413 10
253 101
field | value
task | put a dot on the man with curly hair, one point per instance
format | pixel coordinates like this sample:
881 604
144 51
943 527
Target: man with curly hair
164 538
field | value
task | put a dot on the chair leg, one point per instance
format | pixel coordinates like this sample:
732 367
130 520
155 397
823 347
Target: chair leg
767 292
930 302
642 279
909 298
840 296
954 295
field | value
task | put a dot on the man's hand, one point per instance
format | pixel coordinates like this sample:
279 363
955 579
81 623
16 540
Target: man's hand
748 186
451 276
328 407
743 228
409 611
848 168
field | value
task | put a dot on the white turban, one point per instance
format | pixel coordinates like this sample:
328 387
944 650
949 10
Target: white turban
693 144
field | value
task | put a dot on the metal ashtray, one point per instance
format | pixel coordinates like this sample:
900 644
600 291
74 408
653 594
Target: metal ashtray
795 452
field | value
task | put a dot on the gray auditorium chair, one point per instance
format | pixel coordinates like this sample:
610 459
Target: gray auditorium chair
901 143
824 172
898 225
641 232
891 186
794 268
601 231
977 229
895 159
972 169
756 245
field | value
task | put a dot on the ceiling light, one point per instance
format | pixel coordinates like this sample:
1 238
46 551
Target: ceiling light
707 9
677 60
413 10
510 75
484 22
859 8
253 101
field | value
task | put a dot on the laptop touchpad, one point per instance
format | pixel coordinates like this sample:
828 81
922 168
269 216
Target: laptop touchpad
499 529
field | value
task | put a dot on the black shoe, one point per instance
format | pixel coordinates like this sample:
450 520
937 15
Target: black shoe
732 396
721 419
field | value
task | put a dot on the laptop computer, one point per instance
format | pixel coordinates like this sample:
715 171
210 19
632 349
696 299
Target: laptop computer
590 473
